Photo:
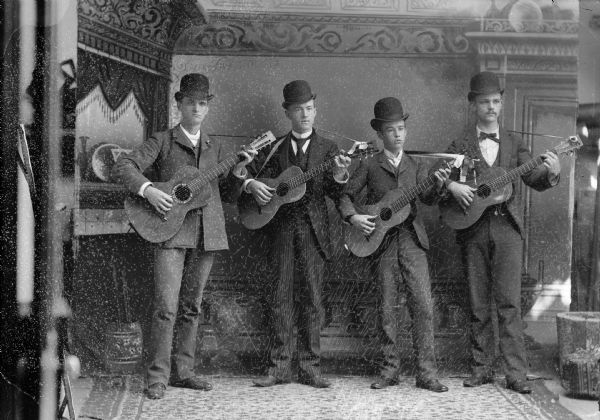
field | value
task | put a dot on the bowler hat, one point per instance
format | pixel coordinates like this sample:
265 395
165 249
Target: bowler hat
484 83
387 110
297 92
195 86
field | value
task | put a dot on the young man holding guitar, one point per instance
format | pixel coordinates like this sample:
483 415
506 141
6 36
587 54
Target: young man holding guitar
391 177
491 244
300 232
182 263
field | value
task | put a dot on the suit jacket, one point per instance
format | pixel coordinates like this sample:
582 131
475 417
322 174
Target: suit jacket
513 152
320 150
168 151
379 176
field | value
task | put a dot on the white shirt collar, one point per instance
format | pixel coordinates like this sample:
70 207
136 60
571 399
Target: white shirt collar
303 135
193 137
394 160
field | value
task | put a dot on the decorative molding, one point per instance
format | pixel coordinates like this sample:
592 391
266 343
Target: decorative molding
523 47
329 35
547 26
141 32
126 47
145 19
370 5
525 65
429 5
238 4
298 4
538 48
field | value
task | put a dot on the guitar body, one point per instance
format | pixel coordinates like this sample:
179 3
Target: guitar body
156 228
363 246
253 216
454 216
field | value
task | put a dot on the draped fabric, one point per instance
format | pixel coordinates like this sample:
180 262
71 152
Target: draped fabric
117 80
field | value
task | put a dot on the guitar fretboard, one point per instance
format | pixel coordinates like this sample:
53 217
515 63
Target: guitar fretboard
411 193
512 175
212 173
306 176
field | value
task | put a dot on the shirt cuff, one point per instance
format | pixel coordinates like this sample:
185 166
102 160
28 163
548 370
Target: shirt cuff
143 188
341 177
245 185
240 172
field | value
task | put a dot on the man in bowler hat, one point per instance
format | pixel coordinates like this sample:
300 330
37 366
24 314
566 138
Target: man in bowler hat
401 256
301 242
492 247
181 264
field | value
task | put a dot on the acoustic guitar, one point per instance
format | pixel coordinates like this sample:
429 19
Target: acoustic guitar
495 188
390 211
189 188
290 186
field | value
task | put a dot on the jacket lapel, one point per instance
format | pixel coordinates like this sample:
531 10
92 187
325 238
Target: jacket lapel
385 163
182 139
284 152
474 149
404 164
505 151
315 152
205 142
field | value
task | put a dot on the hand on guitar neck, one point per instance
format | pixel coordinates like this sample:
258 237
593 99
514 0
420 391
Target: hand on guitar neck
464 194
262 193
163 202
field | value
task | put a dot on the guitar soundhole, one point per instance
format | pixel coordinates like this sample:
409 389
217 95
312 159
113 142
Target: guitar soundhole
386 214
484 191
182 193
283 189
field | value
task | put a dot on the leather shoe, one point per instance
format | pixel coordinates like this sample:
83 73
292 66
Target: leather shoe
518 386
478 379
268 381
316 382
431 385
156 391
193 382
384 383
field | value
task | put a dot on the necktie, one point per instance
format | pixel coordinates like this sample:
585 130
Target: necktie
300 147
492 136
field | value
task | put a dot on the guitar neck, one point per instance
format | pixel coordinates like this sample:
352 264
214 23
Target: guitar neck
514 174
213 172
311 173
412 193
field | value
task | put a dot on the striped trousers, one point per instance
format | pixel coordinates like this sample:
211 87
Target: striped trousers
296 296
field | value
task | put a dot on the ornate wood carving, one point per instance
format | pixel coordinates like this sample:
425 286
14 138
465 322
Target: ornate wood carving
141 32
329 35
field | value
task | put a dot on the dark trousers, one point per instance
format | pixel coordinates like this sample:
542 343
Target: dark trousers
296 296
402 259
179 278
492 253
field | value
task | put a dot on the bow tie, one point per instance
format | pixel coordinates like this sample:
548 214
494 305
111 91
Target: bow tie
491 136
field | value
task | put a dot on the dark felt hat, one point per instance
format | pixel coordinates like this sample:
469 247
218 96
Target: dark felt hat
387 110
484 83
297 92
195 86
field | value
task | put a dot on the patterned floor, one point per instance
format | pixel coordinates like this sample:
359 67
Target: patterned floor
349 398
